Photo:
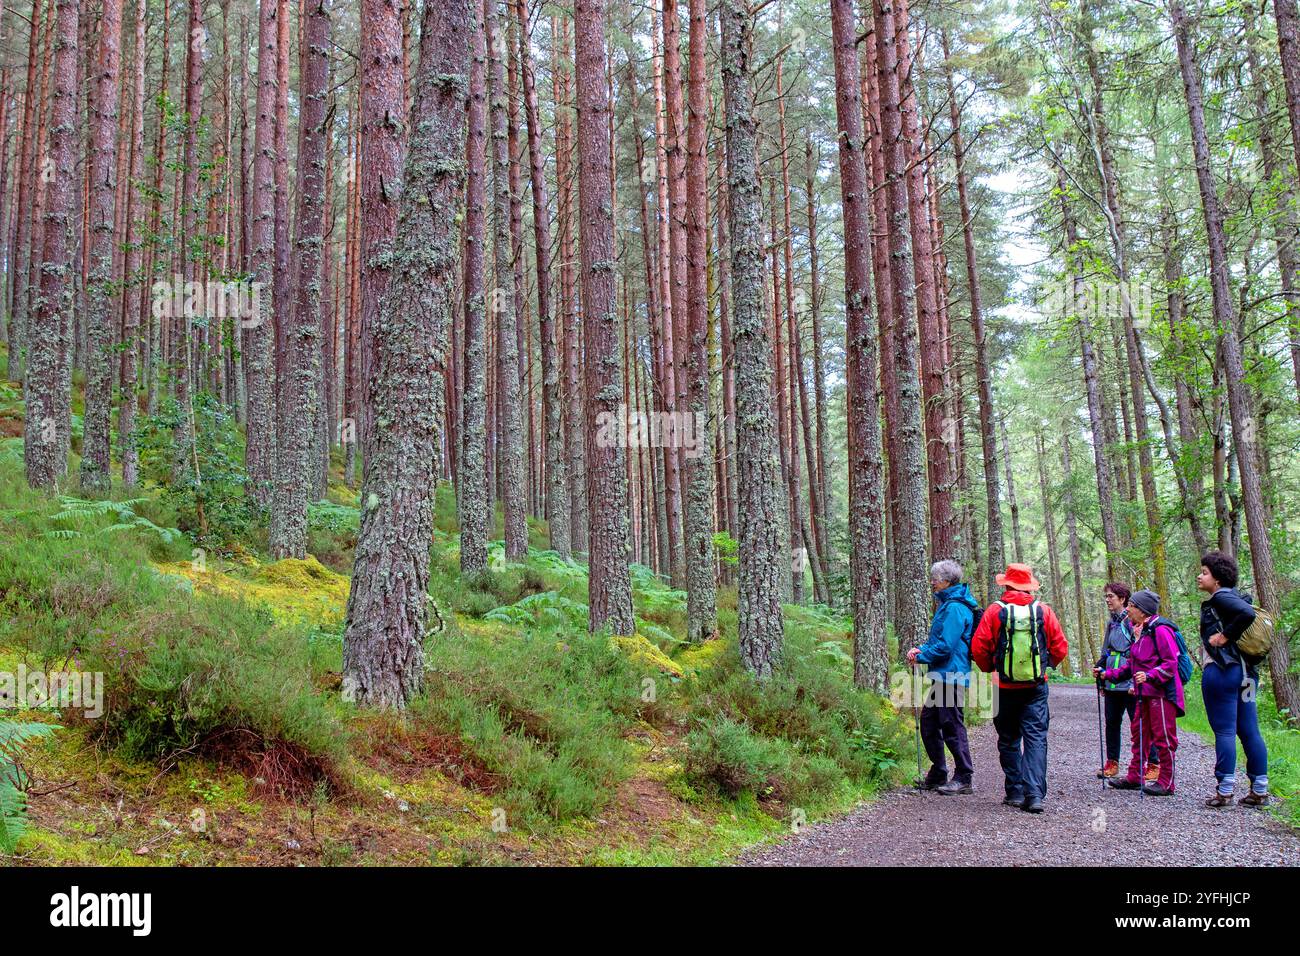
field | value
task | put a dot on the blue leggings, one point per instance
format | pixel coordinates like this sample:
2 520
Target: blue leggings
1230 707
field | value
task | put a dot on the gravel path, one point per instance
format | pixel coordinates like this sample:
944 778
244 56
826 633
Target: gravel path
1082 825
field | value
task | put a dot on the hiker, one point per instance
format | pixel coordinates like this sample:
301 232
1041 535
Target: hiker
1116 694
1019 637
1152 668
946 658
1229 683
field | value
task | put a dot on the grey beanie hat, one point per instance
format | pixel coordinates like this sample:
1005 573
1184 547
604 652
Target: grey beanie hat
1148 602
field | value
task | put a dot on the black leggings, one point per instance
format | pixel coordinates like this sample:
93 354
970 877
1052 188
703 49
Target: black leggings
1119 703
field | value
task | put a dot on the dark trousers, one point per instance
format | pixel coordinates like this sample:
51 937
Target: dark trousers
943 723
1119 703
1021 718
1232 714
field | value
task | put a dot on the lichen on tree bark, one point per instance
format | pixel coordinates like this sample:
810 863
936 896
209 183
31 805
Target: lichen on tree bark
383 646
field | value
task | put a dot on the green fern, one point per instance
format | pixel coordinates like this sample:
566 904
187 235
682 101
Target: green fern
11 449
659 635
546 607
13 782
81 509
552 563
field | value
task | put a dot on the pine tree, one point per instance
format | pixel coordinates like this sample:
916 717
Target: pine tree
383 645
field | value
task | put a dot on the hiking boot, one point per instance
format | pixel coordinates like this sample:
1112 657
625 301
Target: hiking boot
1111 769
954 787
1153 772
1254 799
1220 800
930 783
1122 783
1032 805
1010 801
1157 790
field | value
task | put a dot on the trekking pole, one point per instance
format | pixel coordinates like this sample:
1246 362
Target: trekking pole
1101 737
916 720
1142 750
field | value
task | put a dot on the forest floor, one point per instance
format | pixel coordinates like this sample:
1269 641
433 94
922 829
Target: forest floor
225 741
1083 825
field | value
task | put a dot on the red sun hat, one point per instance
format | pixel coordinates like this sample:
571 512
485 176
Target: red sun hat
1018 576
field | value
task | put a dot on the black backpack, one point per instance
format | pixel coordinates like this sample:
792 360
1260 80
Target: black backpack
976 612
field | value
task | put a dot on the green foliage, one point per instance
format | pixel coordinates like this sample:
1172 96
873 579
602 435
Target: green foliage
545 607
210 507
13 781
332 531
82 511
729 754
806 732
329 516
547 714
180 670
727 549
551 564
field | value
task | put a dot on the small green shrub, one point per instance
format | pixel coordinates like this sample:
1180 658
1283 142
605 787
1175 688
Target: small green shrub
547 708
807 731
728 754
211 506
548 607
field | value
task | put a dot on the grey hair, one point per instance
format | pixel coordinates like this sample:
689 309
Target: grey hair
949 571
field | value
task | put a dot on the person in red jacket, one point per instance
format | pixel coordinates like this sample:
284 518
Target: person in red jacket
1019 638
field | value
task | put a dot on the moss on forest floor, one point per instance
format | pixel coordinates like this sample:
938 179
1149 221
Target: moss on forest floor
535 742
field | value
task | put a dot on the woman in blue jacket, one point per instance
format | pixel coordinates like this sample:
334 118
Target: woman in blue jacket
946 658
1229 683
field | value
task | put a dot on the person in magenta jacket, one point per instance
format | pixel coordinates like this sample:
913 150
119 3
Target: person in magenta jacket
1153 668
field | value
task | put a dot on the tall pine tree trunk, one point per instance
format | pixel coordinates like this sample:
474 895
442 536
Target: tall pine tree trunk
473 502
701 591
555 481
259 450
383 646
45 452
763 566
908 440
296 436
133 263
503 299
104 302
866 504
609 582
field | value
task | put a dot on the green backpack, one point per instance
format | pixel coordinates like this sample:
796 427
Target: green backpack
1258 638
1255 640
1020 642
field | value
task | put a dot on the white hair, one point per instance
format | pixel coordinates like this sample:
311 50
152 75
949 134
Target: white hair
949 571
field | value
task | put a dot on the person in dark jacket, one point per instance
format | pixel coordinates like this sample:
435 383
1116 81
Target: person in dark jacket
1116 698
1152 667
946 658
1021 714
1229 683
